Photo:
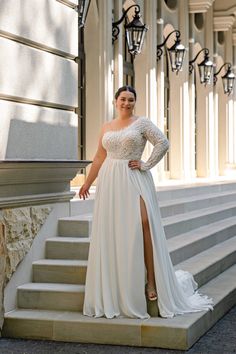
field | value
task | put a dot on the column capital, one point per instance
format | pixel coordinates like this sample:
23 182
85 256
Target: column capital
196 6
223 23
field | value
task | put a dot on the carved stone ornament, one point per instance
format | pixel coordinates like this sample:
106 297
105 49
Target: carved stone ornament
18 228
196 6
223 23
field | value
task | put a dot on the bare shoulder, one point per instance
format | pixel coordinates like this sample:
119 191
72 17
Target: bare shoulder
106 126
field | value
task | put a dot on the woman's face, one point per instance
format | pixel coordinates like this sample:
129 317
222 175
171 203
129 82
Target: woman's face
125 102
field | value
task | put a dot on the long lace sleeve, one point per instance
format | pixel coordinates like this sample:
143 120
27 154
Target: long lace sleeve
158 140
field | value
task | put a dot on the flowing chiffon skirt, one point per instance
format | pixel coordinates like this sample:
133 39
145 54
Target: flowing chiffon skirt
115 281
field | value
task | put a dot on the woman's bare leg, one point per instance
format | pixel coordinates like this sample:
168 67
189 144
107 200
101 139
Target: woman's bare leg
148 251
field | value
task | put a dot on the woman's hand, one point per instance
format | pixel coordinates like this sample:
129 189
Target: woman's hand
134 164
84 191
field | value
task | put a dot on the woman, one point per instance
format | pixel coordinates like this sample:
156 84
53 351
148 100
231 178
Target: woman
128 244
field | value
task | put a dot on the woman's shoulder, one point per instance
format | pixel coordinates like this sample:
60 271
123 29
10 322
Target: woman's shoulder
106 126
145 121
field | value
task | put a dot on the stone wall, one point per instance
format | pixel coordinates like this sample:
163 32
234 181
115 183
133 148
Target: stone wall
39 80
18 228
3 257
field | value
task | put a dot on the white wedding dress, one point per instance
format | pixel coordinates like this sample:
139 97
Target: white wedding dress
115 281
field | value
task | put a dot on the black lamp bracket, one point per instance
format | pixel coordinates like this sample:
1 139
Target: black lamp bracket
115 28
159 50
206 52
215 75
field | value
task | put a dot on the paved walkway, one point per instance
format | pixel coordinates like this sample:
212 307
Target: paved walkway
221 339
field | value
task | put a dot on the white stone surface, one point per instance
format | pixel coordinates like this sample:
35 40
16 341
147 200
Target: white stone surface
30 73
54 24
32 132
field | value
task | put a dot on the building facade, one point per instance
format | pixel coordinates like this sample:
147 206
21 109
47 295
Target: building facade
57 86
58 82
198 119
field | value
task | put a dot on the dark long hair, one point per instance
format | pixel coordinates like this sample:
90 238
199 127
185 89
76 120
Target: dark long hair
125 88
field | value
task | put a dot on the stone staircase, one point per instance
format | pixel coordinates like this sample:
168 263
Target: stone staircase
200 226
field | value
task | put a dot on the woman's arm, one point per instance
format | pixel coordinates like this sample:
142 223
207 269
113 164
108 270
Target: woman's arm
95 167
160 144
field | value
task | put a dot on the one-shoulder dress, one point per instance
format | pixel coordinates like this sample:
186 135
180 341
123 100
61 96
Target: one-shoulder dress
116 273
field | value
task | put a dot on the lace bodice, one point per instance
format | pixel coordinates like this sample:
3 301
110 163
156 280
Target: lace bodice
129 142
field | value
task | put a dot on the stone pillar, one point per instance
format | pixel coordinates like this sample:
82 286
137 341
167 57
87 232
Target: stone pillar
160 85
224 104
192 166
99 83
118 48
185 141
146 79
105 60
229 104
212 128
151 44
179 109
234 93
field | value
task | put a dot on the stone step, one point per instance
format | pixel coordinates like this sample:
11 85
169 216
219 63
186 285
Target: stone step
181 223
189 244
75 226
50 296
204 266
59 271
80 226
180 332
190 203
186 190
210 263
181 247
67 248
57 296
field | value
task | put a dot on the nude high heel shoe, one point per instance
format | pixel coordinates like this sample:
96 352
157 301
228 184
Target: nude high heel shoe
150 292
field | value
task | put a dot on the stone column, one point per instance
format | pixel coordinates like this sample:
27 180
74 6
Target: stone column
105 60
99 82
185 136
212 120
192 167
160 85
229 104
146 79
234 92
224 105
151 44
118 48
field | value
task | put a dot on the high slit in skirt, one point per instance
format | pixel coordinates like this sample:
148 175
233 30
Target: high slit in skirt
116 274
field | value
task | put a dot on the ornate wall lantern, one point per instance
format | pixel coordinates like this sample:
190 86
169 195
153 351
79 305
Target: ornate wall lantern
82 9
176 52
135 31
205 67
227 79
